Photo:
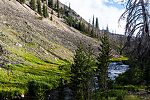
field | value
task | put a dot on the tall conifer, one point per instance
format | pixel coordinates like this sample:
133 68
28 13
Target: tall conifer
58 10
39 9
81 73
50 3
93 22
33 5
103 59
97 24
45 12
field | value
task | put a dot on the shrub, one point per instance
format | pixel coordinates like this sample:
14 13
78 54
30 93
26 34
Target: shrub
130 88
117 93
132 76
10 92
37 89
119 97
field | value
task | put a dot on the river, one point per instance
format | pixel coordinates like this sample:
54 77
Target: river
114 70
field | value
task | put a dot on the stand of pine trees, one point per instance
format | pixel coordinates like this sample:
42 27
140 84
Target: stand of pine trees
83 71
40 6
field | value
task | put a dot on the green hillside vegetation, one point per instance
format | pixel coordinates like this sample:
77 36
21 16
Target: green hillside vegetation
44 71
118 59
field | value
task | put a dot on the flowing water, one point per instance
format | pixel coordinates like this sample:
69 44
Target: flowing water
115 69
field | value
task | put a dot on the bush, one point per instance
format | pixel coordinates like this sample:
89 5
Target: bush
37 89
119 97
117 93
10 92
130 88
100 95
132 76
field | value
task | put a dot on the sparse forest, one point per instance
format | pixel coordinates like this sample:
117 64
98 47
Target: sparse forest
47 66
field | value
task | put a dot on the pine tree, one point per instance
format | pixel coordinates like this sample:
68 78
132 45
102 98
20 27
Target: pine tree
51 18
103 62
93 22
81 73
57 5
69 7
45 12
93 28
97 24
21 1
52 12
39 9
50 3
58 15
58 10
92 32
107 29
89 28
33 5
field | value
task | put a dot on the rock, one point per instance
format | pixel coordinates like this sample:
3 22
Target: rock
18 44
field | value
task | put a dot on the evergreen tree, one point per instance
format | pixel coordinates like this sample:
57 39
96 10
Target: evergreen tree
81 26
47 15
21 1
66 12
58 11
52 12
33 5
92 32
50 3
39 9
107 29
69 7
57 5
97 24
45 12
58 15
93 22
103 62
89 28
51 18
81 73
93 28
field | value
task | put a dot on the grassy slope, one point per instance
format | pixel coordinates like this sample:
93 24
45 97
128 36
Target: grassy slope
25 65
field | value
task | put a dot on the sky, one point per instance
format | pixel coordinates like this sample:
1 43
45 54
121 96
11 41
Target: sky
107 11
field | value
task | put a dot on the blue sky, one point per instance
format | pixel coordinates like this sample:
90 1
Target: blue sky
114 3
108 12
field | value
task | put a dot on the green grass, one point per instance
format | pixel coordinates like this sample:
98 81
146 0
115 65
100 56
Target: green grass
121 58
15 77
131 97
